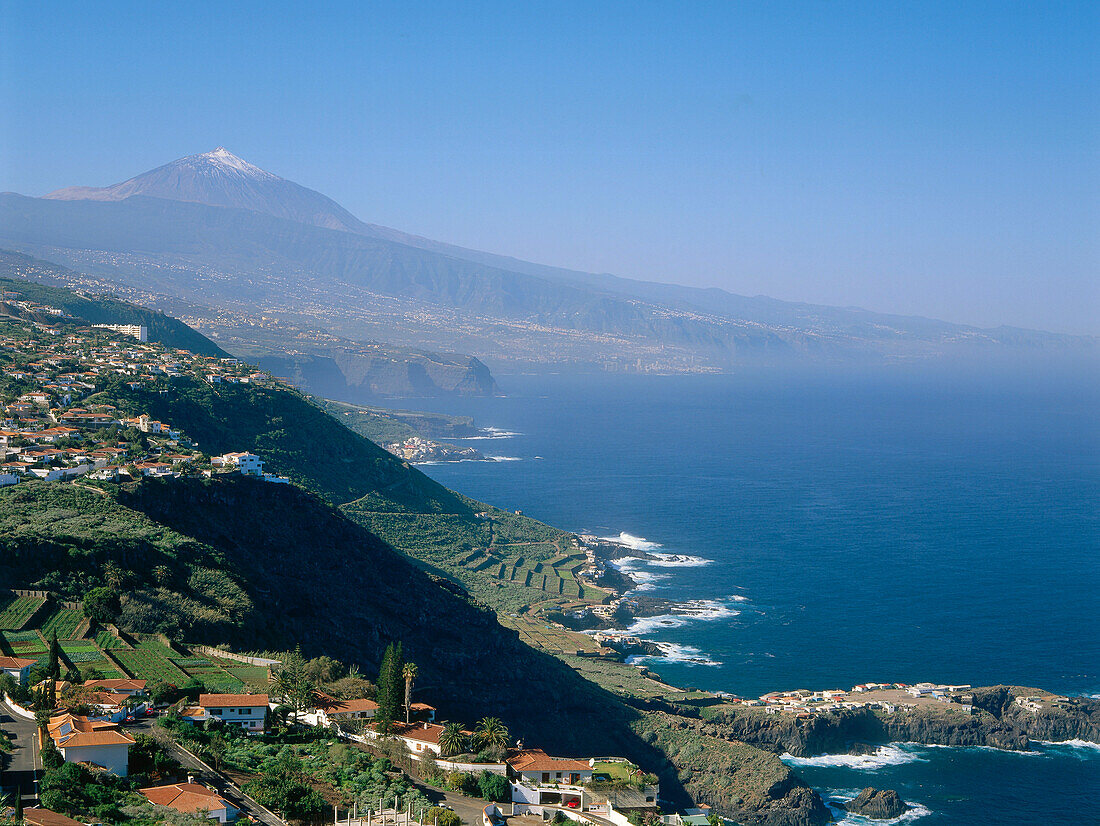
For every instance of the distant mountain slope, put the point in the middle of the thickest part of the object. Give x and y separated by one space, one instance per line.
216 228
220 178
15 269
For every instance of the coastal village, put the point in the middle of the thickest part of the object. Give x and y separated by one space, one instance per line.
99 723
94 697
48 430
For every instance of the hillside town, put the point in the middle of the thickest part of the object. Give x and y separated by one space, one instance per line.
100 724
55 428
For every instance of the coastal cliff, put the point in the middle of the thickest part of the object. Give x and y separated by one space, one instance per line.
744 783
997 720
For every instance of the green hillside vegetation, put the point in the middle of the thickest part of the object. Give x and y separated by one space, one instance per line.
383 425
256 566
387 496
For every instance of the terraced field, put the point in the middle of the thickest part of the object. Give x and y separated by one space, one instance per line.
26 644
148 665
213 675
17 611
82 652
556 576
63 622
108 641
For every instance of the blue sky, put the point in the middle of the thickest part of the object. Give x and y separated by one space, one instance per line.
930 158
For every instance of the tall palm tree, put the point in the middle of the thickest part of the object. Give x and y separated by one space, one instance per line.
491 733
409 672
452 739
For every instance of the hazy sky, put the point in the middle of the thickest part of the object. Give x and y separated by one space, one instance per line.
939 159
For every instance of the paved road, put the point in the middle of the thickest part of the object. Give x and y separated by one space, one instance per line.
216 780
22 767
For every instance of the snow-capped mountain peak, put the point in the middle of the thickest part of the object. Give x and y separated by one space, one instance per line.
223 159
220 178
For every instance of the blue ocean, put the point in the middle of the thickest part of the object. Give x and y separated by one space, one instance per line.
832 528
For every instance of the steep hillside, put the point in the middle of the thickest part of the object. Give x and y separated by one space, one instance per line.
262 566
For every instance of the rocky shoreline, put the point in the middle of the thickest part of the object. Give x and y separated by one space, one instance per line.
997 721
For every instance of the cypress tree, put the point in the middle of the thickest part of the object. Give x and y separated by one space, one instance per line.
390 688
55 658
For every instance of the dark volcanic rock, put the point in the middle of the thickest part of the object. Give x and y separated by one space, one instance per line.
878 804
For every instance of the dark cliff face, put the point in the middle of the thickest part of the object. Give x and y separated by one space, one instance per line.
360 378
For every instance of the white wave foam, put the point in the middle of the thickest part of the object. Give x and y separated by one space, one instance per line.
637 543
1078 745
505 458
671 652
883 756
666 560
843 816
491 433
704 610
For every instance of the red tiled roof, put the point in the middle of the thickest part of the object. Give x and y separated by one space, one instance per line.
419 732
186 797
536 760
15 662
44 817
116 685
233 700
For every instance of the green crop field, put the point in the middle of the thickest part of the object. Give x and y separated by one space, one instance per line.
17 612
108 641
63 622
147 665
82 652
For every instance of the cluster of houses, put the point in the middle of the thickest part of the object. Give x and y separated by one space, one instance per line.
886 697
539 781
46 433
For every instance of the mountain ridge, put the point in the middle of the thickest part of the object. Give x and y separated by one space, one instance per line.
227 231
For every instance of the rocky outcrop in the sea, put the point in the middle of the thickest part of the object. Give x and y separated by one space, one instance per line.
877 804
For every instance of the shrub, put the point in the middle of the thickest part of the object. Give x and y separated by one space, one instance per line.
102 605
494 787
442 817
462 782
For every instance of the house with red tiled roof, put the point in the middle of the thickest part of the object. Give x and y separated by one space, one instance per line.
81 740
128 687
192 798
44 817
330 710
536 766
249 711
17 667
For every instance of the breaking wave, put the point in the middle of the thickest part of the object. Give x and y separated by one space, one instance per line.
637 543
673 653
883 756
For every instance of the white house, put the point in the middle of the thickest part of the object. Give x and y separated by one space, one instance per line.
247 463
543 780
192 798
330 710
18 667
249 711
81 740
